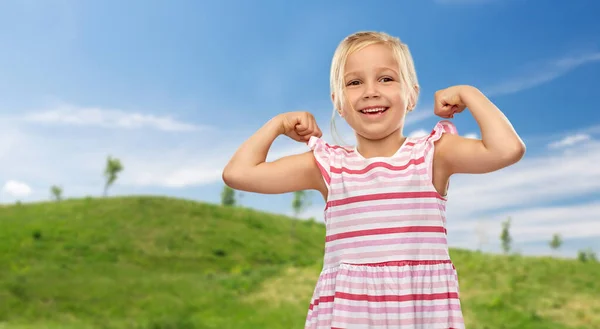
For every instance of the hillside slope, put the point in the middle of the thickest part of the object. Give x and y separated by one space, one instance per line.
162 263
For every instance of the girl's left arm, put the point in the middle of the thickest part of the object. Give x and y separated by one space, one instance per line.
500 145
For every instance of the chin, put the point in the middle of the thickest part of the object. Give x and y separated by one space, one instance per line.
375 134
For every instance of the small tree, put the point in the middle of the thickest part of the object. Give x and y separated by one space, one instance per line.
505 236
228 196
591 255
56 192
113 167
556 241
582 256
299 203
587 255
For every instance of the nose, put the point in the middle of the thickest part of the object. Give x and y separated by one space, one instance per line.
371 90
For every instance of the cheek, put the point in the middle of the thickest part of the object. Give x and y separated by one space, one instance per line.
351 95
350 101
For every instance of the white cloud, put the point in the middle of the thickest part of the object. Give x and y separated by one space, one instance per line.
541 73
75 158
541 194
418 133
548 178
471 135
107 118
420 113
570 141
155 172
16 189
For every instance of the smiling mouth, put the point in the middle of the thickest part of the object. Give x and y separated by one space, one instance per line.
374 110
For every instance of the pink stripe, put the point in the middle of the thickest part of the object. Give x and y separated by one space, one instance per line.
378 221
383 242
375 185
391 273
373 165
380 231
384 196
354 298
385 207
324 309
324 173
382 254
388 286
336 179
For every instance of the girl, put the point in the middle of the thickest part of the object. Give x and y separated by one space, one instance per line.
386 262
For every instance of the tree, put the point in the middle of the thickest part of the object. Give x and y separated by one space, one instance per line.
299 204
582 256
591 255
113 167
556 241
587 255
505 235
228 196
56 192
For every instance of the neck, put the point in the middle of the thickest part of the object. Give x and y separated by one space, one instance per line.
384 147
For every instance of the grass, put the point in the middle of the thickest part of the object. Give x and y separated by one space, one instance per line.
162 263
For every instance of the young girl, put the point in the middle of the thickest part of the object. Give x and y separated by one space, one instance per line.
386 262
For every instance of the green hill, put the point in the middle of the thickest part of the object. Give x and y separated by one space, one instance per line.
162 263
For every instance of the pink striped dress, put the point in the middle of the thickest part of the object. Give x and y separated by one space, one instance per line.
386 262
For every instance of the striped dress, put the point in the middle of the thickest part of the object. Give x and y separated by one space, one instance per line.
386 262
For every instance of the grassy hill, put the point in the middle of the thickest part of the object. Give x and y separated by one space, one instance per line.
161 263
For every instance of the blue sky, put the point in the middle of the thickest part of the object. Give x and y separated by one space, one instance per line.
172 88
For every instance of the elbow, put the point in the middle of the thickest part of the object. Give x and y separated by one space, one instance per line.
519 150
229 178
515 152
235 178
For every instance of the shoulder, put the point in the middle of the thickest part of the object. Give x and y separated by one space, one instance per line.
320 146
436 136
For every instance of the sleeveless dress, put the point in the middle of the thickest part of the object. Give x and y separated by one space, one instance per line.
386 261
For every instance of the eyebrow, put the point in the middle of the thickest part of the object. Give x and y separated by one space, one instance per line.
381 68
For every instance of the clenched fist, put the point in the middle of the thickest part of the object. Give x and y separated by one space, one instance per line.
299 126
448 101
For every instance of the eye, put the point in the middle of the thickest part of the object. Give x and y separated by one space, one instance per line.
386 79
353 83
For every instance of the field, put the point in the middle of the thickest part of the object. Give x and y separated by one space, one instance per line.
163 263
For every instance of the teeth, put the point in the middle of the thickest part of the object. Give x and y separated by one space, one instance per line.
378 109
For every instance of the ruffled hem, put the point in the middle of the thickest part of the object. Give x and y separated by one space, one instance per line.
442 127
386 296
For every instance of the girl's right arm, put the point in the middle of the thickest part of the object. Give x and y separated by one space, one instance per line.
248 170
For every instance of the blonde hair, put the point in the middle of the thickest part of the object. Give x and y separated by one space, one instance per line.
358 41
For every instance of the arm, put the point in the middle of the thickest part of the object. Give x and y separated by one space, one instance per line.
499 147
248 170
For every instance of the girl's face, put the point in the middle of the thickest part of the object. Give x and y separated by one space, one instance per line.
375 101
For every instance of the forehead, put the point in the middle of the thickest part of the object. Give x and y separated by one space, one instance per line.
371 57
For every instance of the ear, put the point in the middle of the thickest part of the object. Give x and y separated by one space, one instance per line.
412 97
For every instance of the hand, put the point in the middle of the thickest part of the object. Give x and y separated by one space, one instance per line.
299 126
447 102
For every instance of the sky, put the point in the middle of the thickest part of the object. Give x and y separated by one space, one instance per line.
173 88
